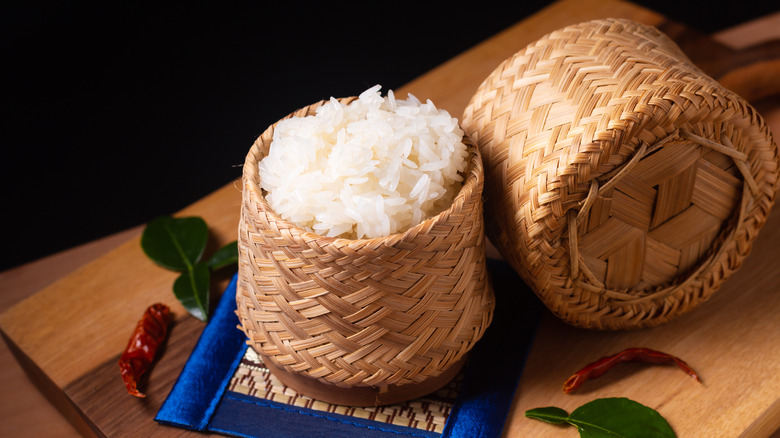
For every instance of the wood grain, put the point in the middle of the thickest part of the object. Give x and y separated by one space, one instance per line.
729 340
25 411
452 84
110 292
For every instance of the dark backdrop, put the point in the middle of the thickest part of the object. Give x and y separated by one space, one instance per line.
116 112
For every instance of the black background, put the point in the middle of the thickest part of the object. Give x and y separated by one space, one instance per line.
114 113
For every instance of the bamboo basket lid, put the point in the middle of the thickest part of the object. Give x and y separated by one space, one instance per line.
364 321
622 183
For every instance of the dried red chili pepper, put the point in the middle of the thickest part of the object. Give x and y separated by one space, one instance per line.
599 367
149 333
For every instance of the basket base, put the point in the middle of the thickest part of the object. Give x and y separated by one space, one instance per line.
363 395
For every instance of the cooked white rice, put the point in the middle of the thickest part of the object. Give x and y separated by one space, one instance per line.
371 168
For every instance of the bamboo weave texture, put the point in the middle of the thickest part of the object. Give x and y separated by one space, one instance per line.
622 183
370 312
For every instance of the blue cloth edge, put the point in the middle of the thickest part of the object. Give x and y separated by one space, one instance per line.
500 410
339 425
210 365
483 404
221 391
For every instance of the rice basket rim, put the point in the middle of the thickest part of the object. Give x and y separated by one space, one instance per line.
471 186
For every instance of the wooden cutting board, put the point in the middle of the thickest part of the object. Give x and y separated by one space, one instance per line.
69 335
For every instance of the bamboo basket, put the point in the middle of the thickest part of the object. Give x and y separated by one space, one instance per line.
622 183
367 321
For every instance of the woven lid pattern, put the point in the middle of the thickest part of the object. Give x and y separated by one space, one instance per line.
622 183
368 312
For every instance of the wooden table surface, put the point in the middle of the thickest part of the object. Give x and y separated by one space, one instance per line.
77 374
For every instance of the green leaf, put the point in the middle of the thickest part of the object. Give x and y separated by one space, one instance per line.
619 417
550 414
225 256
609 418
192 290
175 243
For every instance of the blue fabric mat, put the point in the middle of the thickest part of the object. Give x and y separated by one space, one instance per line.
200 400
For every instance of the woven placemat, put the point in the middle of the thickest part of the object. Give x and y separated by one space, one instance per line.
428 413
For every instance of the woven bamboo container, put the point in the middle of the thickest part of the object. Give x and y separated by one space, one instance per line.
367 321
622 183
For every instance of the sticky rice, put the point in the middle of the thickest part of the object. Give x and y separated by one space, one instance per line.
371 168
